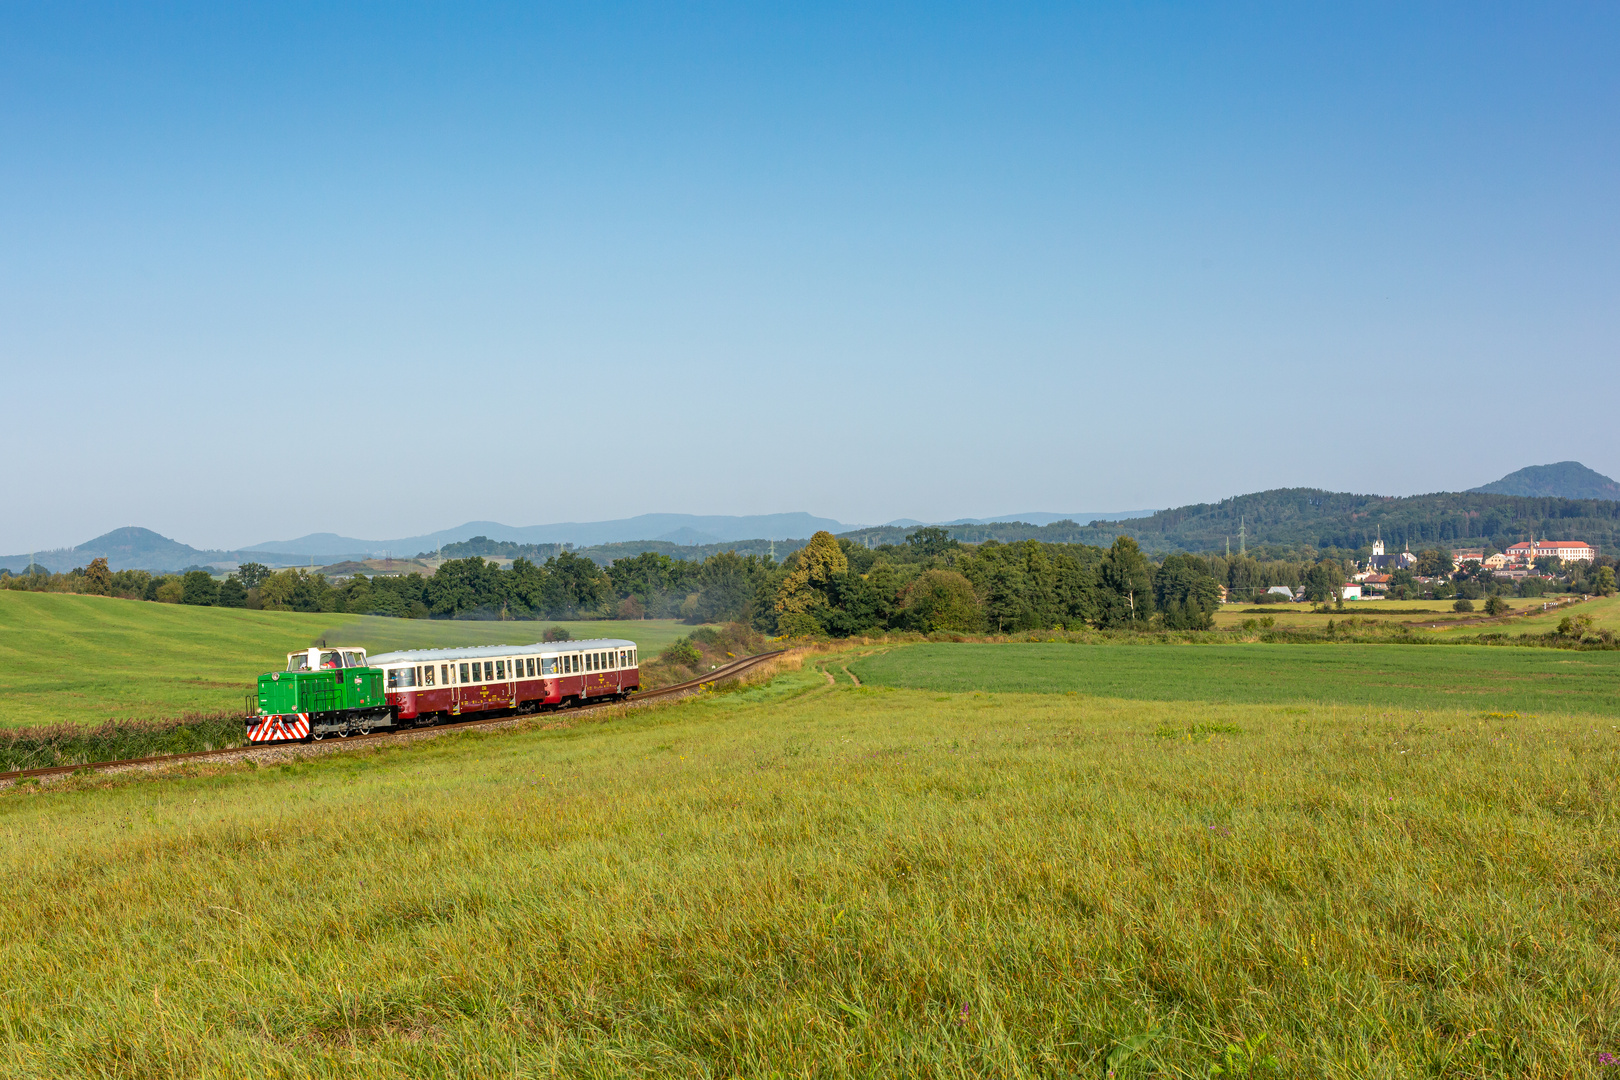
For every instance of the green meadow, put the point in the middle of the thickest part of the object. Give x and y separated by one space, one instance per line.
1478 677
85 659
800 879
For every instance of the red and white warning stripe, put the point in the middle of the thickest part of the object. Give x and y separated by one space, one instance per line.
280 728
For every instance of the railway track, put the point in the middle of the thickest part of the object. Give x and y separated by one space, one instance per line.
719 674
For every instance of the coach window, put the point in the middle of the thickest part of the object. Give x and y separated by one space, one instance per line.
530 664
401 678
463 672
500 669
427 675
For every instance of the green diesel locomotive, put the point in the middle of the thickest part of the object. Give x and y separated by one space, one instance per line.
323 692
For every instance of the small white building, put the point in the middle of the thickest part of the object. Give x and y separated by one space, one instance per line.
1352 590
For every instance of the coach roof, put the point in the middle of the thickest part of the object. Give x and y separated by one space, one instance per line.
480 652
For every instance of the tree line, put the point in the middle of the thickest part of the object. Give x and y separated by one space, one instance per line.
832 586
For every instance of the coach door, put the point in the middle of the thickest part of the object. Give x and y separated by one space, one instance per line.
458 673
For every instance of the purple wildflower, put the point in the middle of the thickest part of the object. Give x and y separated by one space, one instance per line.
1606 1058
962 1017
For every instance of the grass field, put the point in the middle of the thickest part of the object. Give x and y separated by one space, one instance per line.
1405 676
1604 611
1390 611
88 658
808 880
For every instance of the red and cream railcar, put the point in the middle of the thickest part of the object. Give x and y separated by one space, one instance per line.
426 686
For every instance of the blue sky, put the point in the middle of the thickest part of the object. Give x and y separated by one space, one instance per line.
267 270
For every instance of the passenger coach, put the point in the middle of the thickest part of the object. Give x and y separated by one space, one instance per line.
424 686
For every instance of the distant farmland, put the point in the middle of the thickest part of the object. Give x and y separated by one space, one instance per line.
1404 676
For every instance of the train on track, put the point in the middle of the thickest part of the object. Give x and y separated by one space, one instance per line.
342 692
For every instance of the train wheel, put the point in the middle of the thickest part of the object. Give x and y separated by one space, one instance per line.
316 733
365 726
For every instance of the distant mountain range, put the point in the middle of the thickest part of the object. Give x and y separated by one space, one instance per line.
143 549
1566 499
684 529
1563 480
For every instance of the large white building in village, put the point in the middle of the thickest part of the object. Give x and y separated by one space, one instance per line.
1523 555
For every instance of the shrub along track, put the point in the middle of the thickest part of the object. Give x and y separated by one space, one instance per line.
727 671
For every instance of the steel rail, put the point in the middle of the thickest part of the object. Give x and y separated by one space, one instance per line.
726 671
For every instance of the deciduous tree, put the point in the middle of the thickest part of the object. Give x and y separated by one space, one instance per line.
97 578
1124 586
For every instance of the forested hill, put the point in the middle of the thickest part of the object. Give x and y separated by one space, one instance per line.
1309 517
1563 480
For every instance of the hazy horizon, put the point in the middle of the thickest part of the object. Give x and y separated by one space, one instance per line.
373 270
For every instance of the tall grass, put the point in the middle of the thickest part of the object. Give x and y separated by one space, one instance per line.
45 746
804 879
